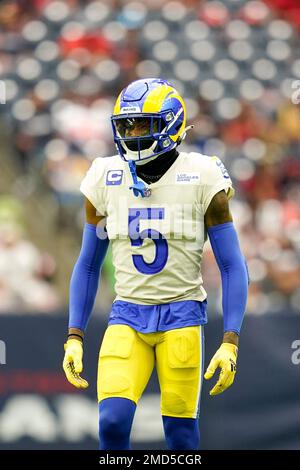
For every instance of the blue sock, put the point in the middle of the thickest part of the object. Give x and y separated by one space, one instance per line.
181 433
115 421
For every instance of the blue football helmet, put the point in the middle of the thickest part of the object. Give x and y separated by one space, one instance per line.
148 120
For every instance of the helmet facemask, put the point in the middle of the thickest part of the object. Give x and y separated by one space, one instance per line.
141 138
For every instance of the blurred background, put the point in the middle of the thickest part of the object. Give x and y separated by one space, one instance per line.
62 65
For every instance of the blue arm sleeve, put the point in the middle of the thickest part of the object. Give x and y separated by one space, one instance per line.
85 277
234 274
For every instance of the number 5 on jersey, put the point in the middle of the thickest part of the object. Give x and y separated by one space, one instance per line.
137 239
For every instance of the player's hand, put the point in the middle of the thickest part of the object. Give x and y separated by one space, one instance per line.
225 358
72 364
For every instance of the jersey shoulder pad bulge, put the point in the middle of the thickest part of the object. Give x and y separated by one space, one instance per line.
94 182
214 177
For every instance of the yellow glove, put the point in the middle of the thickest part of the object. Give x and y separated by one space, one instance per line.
72 364
225 358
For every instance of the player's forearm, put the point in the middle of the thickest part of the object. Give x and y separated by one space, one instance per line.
85 279
234 276
83 290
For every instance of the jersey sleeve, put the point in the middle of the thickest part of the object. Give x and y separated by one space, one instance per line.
92 185
215 178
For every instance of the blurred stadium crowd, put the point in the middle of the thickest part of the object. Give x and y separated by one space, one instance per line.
64 62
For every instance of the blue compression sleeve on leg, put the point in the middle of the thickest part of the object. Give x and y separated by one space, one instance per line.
234 273
181 433
115 421
85 277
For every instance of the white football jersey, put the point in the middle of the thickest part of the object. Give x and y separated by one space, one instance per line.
157 241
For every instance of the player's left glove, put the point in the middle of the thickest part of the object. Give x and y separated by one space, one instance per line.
225 358
72 364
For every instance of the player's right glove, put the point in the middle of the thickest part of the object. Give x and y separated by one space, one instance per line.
72 363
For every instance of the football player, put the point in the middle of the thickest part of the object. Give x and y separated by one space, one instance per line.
156 206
